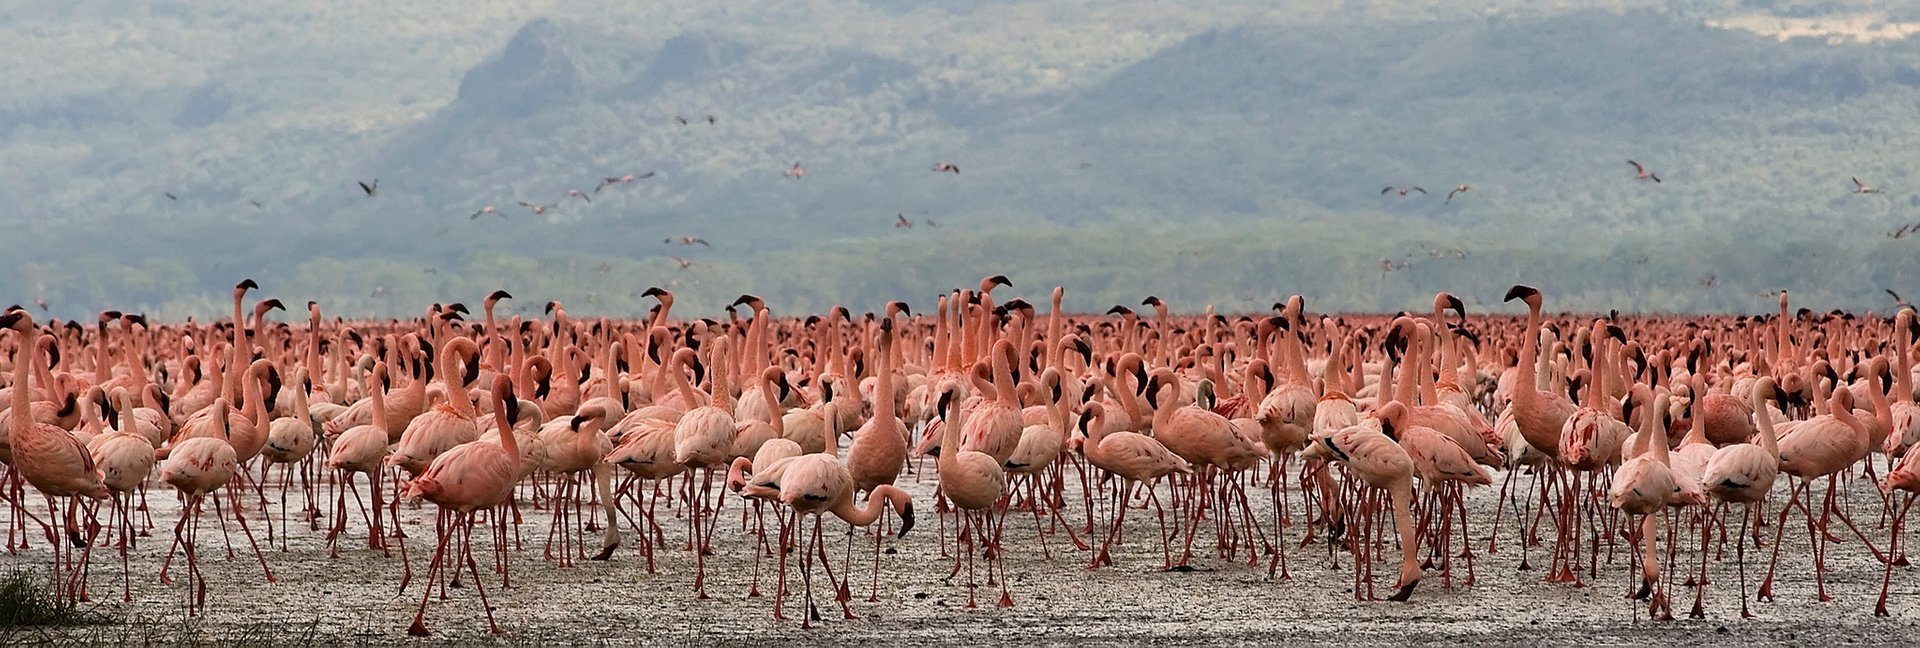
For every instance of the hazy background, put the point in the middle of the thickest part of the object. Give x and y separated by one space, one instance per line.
1206 151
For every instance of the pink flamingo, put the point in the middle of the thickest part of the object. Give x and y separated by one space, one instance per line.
50 459
469 477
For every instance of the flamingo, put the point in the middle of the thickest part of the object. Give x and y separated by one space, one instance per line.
470 477
1821 446
1645 485
1744 473
362 449
974 482
879 449
54 462
198 467
125 459
1137 459
1641 172
1370 451
703 439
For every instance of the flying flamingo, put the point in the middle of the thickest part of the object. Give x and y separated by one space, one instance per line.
1641 172
624 179
1460 189
484 211
469 477
1862 188
370 189
900 220
796 171
946 167
51 460
537 209
1401 190
576 193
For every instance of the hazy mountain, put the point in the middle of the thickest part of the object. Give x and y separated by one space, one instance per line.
1208 153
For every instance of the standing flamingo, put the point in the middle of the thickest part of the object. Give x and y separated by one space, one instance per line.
1744 473
469 477
974 482
54 462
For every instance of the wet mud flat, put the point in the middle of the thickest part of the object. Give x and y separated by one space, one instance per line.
355 599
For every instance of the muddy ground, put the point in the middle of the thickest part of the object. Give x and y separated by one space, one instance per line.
354 599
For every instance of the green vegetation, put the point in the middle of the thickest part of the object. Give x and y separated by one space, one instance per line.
1202 150
27 600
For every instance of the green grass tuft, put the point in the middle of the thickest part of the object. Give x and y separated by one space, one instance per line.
27 600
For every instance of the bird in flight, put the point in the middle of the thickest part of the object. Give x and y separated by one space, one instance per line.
41 302
688 241
684 264
711 120
576 193
946 167
1403 190
255 203
1641 172
628 179
371 188
796 171
484 211
169 195
1897 301
1388 265
1709 281
930 222
900 220
1862 188
1457 191
682 120
537 209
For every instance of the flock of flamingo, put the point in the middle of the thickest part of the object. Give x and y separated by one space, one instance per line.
1656 434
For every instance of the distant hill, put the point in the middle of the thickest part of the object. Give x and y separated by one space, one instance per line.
1232 166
